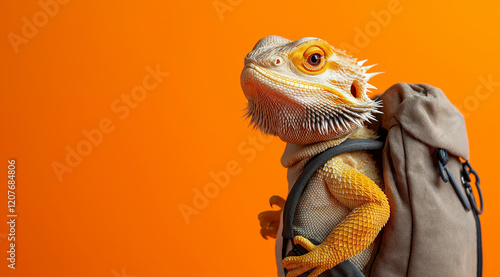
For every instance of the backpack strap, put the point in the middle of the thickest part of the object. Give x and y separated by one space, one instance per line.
310 168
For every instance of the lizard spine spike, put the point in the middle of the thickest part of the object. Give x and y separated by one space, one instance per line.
360 63
369 66
371 75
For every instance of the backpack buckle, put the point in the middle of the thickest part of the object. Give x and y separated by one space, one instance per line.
442 156
467 171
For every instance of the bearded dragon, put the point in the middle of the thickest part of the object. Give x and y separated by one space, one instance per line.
314 96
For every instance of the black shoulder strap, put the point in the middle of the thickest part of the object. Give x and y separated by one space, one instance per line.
314 164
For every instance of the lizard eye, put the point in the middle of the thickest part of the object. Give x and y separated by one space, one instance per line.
314 59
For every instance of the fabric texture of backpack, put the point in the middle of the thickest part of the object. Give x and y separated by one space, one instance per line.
434 227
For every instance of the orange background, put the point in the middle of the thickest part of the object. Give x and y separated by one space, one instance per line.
117 213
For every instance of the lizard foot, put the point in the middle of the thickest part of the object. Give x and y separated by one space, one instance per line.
270 220
319 257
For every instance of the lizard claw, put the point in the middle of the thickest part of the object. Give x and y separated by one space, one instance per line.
318 257
267 217
304 243
277 200
270 220
269 223
267 233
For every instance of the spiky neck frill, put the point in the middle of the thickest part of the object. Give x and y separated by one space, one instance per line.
306 124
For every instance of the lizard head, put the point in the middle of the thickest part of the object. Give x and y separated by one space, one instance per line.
305 91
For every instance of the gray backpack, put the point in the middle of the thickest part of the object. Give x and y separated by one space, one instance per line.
434 227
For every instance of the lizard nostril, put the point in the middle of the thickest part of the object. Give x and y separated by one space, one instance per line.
354 91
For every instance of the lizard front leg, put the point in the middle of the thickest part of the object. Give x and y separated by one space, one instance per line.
270 220
370 212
